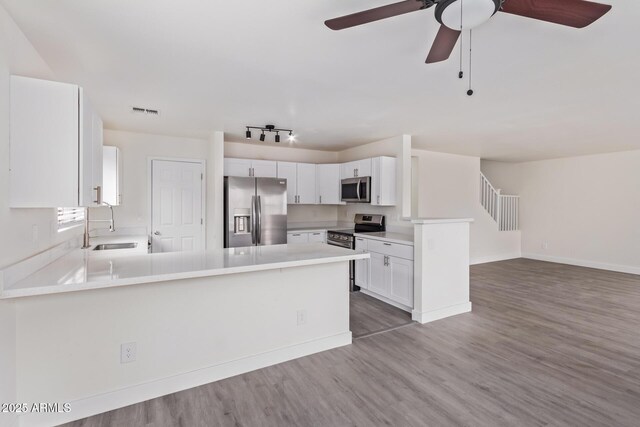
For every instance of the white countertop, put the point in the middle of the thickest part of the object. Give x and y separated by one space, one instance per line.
403 239
79 271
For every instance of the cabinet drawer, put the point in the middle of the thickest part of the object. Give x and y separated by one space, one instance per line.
392 249
317 236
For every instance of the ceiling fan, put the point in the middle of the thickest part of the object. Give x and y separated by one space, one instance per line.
457 15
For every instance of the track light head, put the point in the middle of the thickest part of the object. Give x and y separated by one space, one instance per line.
291 137
262 136
277 137
248 134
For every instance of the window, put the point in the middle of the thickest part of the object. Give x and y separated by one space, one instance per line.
68 217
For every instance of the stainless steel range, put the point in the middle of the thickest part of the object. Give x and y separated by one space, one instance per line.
364 223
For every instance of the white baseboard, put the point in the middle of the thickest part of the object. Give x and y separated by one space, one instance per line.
584 263
441 313
386 300
494 258
139 393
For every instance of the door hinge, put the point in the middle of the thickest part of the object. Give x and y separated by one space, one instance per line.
201 176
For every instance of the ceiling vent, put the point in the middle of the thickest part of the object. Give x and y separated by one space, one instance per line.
148 111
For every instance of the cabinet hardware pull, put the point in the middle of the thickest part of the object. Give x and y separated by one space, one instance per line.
98 189
387 244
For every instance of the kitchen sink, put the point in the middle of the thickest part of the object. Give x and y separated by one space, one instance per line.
111 246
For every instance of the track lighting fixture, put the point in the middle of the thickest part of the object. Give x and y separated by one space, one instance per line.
269 128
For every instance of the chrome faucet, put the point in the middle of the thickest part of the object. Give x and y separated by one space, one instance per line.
112 226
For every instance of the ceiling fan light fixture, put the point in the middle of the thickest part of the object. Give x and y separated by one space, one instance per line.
466 14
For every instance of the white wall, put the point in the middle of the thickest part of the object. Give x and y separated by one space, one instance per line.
29 231
136 149
449 187
23 232
585 209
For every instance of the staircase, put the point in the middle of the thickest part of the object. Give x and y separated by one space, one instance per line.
503 208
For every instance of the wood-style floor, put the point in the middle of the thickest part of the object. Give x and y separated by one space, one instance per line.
546 344
369 316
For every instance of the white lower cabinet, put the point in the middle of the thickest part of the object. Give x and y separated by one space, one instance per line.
385 274
307 237
318 237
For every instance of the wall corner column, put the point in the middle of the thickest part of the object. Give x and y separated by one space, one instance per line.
441 268
215 190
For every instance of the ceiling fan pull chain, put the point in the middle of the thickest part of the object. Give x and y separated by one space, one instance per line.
470 91
461 73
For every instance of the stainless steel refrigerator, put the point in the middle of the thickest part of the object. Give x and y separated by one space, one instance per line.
255 211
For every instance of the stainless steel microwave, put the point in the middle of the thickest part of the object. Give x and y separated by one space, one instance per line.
356 190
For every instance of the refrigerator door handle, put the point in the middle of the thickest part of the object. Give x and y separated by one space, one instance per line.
259 221
253 220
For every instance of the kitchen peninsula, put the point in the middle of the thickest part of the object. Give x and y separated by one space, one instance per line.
229 311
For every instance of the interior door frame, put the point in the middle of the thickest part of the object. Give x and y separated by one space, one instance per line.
203 164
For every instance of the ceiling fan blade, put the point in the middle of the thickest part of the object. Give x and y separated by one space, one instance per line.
443 45
573 13
376 14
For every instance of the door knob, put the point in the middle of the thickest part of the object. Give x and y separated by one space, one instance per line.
157 233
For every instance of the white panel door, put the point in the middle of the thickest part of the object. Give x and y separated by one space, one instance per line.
328 184
264 168
363 167
378 281
401 286
348 170
176 217
237 167
306 183
288 171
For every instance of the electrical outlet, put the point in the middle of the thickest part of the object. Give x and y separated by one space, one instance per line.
545 245
128 352
302 317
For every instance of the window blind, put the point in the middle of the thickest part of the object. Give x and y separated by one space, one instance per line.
70 216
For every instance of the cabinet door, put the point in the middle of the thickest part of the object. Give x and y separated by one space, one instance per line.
318 237
288 171
306 183
401 278
237 167
328 184
383 181
297 237
264 168
348 170
378 281
90 167
111 171
363 167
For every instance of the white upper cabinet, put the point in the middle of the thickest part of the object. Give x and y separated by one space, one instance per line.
250 168
289 171
383 181
56 146
264 168
328 184
306 183
355 169
301 182
111 175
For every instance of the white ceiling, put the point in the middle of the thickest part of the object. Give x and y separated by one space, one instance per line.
541 90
